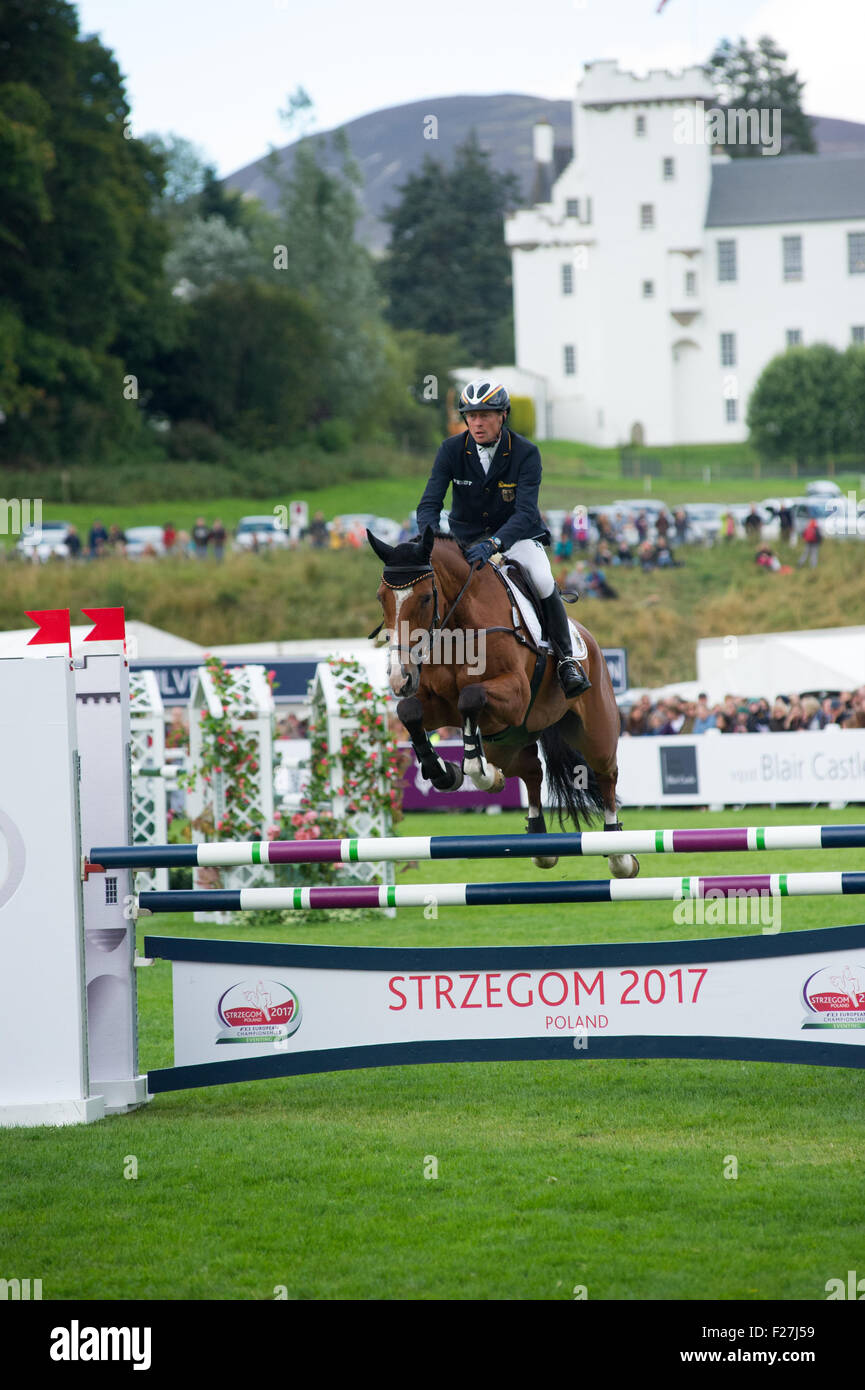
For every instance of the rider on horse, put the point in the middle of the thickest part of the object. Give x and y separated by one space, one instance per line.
496 475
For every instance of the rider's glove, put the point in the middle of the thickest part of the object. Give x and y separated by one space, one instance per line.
480 552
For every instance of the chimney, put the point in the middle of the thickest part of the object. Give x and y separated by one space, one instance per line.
542 147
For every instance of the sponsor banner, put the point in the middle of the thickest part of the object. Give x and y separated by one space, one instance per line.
795 997
743 769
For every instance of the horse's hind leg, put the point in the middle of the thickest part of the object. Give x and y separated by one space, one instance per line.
601 758
528 767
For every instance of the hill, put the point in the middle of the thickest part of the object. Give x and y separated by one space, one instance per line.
389 145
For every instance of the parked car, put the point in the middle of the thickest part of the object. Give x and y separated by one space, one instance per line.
46 543
144 540
260 533
823 487
704 521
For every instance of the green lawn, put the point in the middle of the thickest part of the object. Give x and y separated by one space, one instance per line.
551 1174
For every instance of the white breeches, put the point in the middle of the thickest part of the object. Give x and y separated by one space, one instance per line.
535 561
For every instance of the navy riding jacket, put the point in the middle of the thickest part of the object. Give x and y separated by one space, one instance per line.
503 502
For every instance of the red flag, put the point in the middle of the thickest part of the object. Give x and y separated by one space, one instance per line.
110 625
53 625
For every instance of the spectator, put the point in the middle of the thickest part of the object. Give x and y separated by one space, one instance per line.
642 526
753 525
219 536
581 529
406 531
727 715
637 722
169 537
812 718
578 579
758 718
97 540
623 555
795 714
647 555
689 721
728 526
664 557
662 526
785 520
564 547
73 543
200 537
778 723
811 540
598 586
604 554
116 540
316 532
681 526
767 558
704 718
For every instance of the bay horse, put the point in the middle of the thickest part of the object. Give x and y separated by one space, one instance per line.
456 657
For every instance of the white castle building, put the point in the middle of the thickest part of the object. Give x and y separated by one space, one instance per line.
656 277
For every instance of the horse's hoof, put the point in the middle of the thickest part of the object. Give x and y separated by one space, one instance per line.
624 865
546 861
499 780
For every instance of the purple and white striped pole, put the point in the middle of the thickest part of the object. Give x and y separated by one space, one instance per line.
503 894
706 840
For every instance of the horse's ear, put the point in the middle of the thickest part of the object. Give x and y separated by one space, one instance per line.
381 548
427 541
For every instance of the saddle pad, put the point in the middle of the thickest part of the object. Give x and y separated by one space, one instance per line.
533 627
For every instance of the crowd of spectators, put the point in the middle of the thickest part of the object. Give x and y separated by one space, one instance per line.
737 715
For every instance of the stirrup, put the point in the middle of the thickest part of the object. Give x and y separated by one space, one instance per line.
572 677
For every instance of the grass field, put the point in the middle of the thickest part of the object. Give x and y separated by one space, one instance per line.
552 1175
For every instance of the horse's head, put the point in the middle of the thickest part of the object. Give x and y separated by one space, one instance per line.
409 601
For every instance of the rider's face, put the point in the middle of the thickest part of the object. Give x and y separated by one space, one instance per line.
484 426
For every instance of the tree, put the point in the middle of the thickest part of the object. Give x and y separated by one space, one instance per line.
318 257
249 366
206 251
747 79
448 269
80 251
799 407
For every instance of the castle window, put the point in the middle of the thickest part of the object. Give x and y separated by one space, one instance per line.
727 260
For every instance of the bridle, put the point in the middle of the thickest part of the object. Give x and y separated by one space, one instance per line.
436 624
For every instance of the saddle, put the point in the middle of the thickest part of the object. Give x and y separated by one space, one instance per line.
526 613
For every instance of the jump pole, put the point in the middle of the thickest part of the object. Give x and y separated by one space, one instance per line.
707 840
503 894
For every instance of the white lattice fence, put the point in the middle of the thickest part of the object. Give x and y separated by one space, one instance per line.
249 703
149 817
332 697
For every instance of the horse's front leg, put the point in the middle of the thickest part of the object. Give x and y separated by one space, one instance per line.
496 701
444 776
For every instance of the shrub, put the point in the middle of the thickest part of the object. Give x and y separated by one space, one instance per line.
522 416
191 439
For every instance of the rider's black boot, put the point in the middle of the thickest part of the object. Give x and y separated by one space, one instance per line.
572 677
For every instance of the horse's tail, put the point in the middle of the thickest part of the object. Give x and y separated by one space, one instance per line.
575 789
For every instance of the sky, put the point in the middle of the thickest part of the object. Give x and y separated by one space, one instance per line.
219 71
